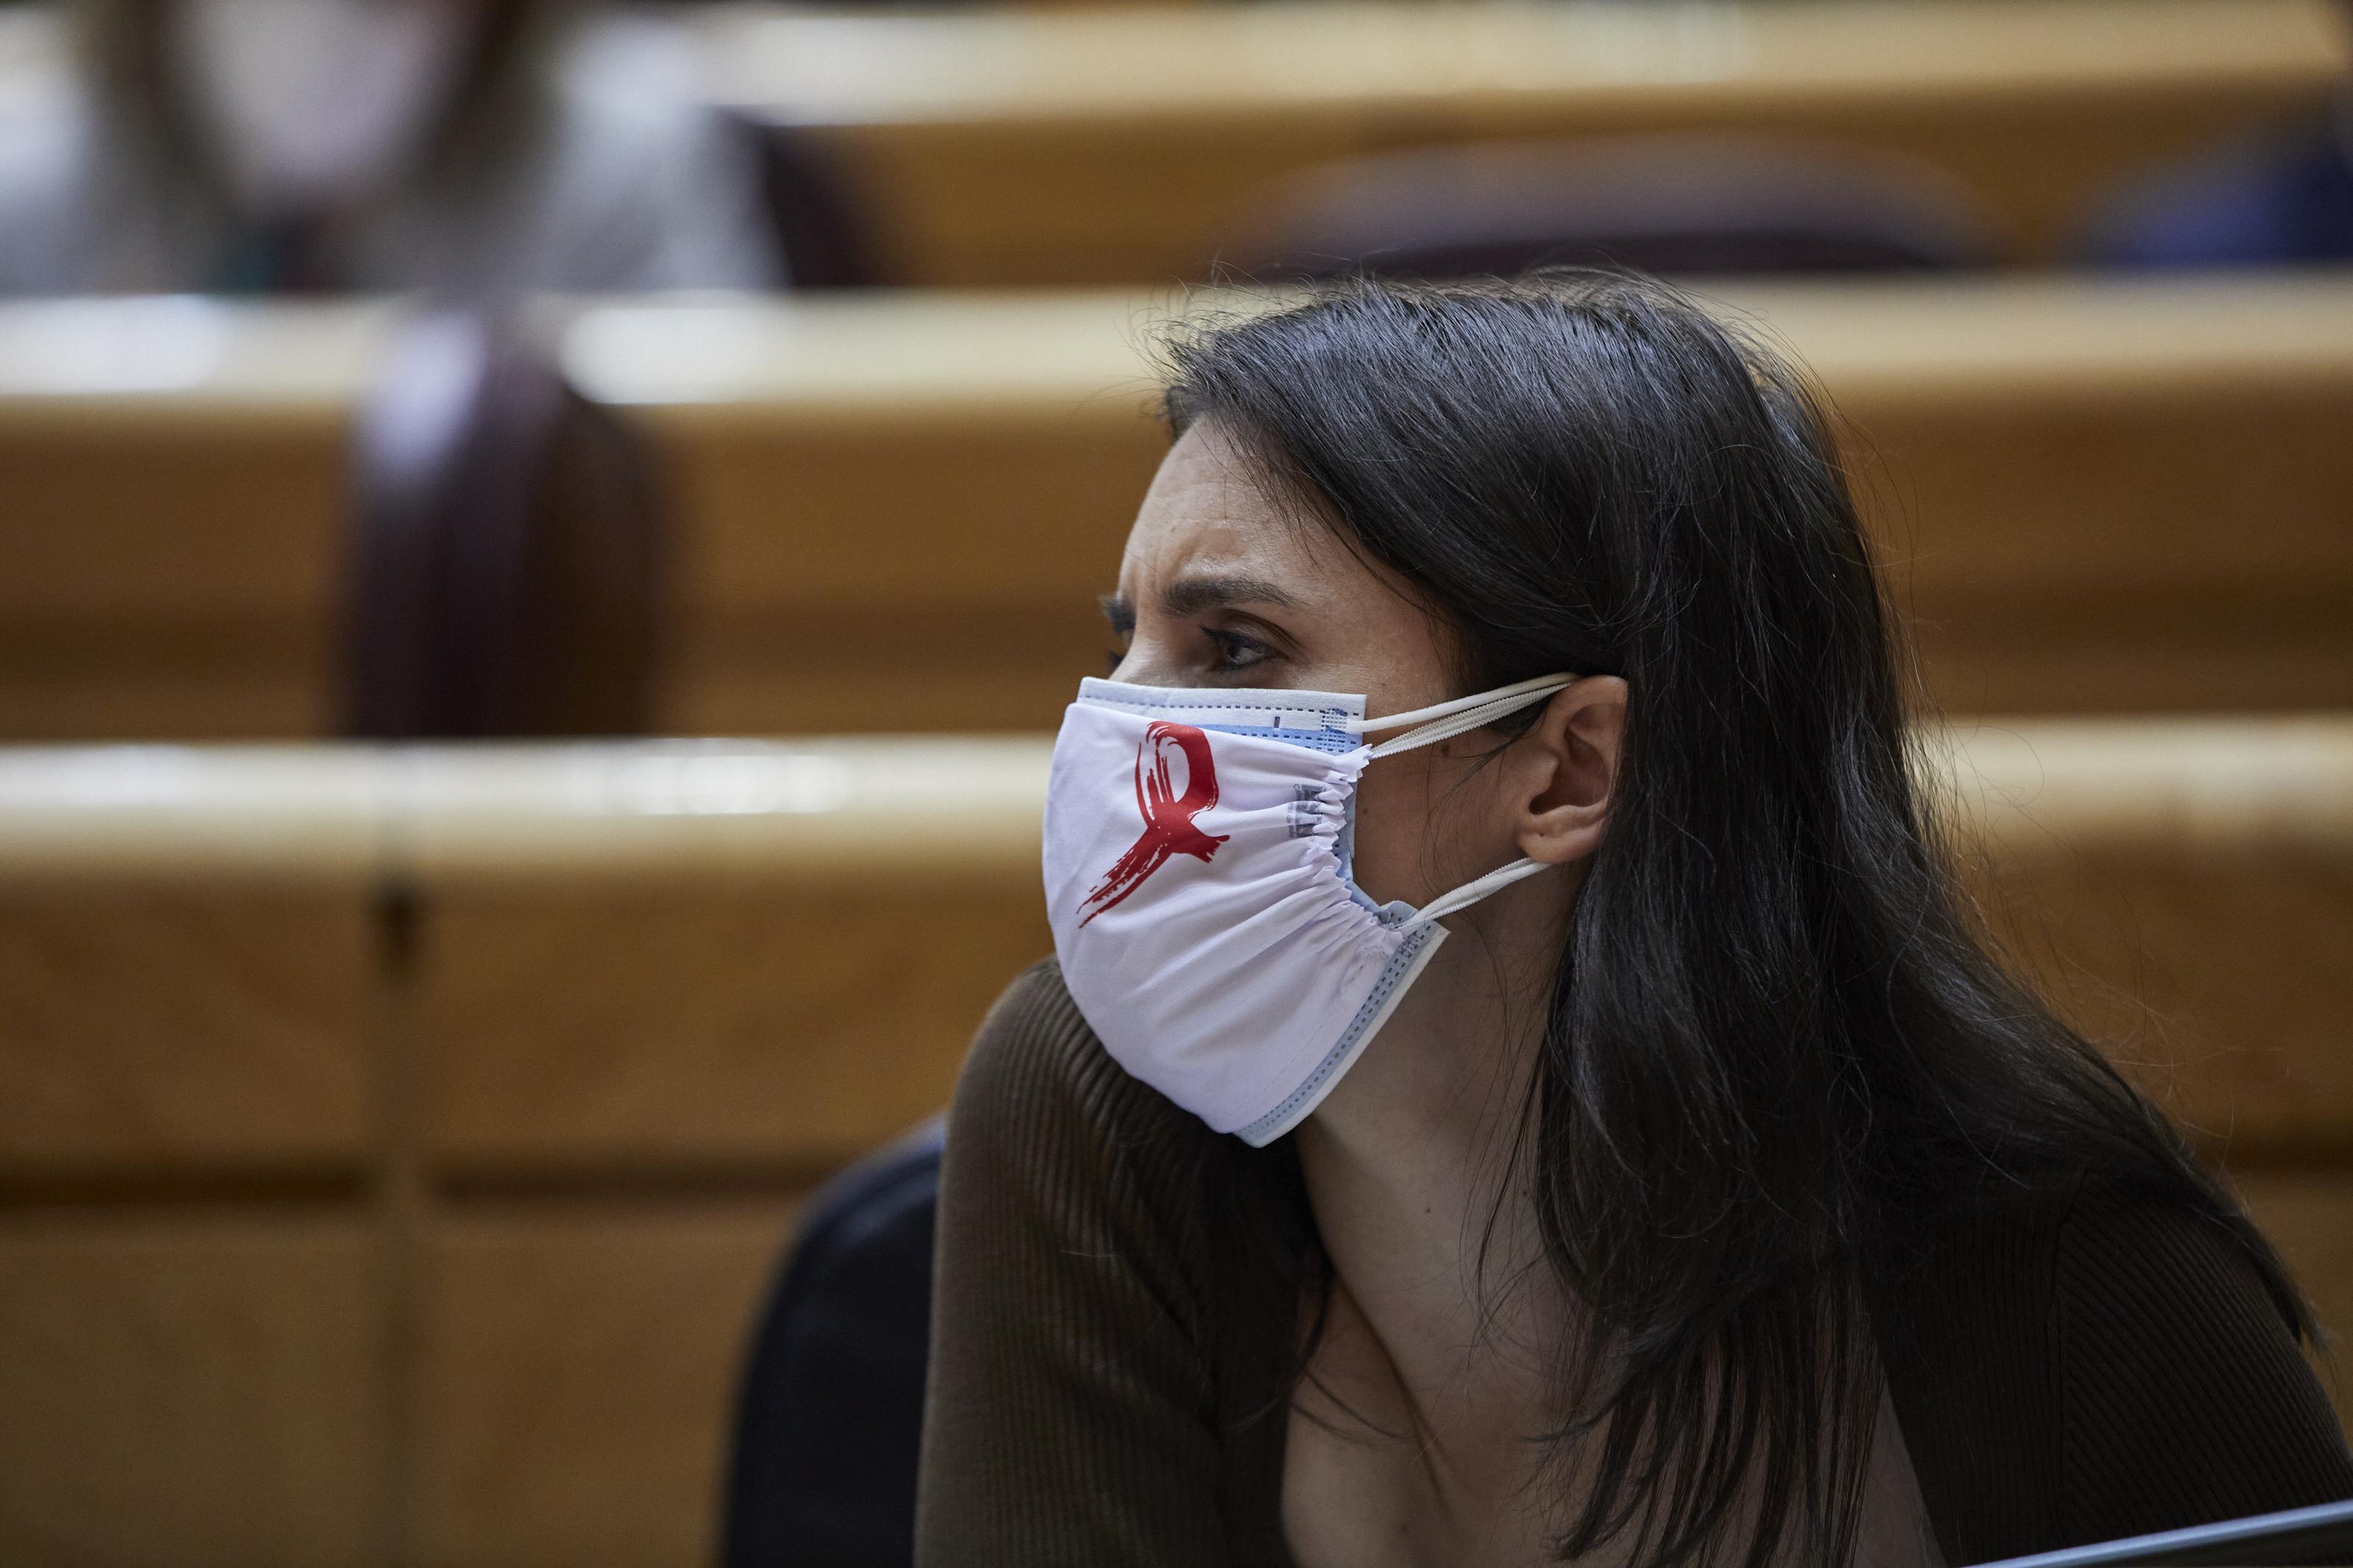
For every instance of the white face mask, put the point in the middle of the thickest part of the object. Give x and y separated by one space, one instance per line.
1198 878
306 101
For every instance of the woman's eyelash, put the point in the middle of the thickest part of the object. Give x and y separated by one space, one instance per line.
1235 650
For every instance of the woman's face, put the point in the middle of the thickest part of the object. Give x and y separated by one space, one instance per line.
1219 585
306 104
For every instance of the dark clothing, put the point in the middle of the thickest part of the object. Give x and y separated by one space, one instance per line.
2063 1371
824 1467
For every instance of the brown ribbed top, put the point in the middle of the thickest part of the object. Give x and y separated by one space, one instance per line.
2066 1373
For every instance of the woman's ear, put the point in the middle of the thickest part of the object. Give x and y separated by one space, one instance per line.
1572 753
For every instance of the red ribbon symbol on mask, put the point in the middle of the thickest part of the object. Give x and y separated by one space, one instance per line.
1168 816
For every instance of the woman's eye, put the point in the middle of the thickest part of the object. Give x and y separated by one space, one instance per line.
1234 651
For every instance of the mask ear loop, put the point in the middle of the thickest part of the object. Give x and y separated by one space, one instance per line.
1471 892
1442 721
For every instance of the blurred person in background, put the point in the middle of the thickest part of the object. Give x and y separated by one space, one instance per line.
472 148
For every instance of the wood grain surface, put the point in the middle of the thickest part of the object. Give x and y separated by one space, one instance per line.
577 1378
187 1030
733 1028
198 1386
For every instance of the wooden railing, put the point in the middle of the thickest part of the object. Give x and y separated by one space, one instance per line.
895 513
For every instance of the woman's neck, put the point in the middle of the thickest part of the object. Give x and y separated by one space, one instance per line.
1415 1168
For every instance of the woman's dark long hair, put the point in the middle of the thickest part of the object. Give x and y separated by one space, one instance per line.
1778 1046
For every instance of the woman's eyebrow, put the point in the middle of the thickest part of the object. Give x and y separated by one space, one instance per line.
1191 596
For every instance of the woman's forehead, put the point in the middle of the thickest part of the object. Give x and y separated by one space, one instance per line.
1212 509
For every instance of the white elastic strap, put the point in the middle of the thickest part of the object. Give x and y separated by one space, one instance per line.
1469 893
1444 720
1541 685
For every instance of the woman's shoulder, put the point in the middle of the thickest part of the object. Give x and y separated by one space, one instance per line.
2082 1246
1073 1391
1036 1046
2077 1361
1033 1028
1041 1094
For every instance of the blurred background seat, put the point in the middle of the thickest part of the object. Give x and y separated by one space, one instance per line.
1672 206
815 210
506 549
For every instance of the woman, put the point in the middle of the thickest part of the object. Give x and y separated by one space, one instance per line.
1708 1194
455 146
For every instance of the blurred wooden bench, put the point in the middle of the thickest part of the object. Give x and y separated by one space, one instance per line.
1132 145
393 1142
170 552
193 1300
893 513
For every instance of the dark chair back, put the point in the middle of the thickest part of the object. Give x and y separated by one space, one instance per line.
506 549
1682 204
819 214
830 1416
